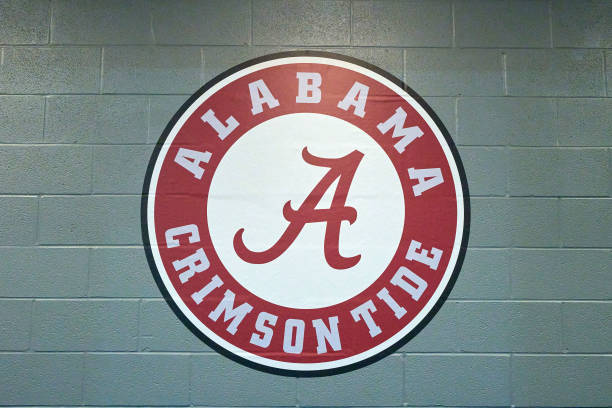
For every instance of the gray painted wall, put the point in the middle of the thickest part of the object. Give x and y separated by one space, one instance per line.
523 86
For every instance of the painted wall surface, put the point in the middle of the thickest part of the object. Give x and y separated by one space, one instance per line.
86 88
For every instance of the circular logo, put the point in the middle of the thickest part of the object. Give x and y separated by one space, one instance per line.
305 213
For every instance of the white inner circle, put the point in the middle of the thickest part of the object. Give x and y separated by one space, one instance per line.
263 170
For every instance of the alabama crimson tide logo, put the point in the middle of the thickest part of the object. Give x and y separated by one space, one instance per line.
305 213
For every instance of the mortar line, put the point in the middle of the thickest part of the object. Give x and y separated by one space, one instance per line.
1 55
91 172
44 136
87 282
456 106
556 120
297 399
151 23
453 25
31 337
550 24
605 76
190 382
562 321
505 72
251 39
84 365
404 391
138 330
511 364
202 65
404 73
101 71
351 22
50 13
148 119
37 237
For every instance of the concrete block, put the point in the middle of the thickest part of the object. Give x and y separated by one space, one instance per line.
491 225
136 379
558 172
15 316
24 22
41 379
501 222
559 270
45 169
85 325
389 59
90 220
584 122
561 381
486 169
43 272
582 24
21 119
161 109
483 23
162 330
495 327
93 22
586 223
440 334
485 275
454 72
587 327
219 381
444 107
50 70
152 69
379 384
555 73
120 169
18 220
210 22
130 265
502 121
535 222
307 22
584 172
96 119
402 23
457 380
534 172
220 59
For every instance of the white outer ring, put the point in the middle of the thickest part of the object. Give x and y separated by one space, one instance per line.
282 364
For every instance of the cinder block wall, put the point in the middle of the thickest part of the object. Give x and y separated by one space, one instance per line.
86 88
